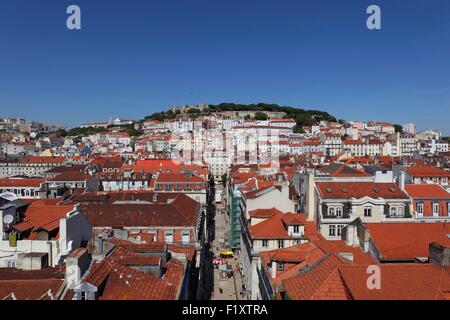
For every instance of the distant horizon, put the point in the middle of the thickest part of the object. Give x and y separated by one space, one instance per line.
132 59
419 128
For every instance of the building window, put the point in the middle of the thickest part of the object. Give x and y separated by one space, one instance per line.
367 212
339 211
401 211
265 243
280 266
435 209
393 211
339 229
186 236
332 230
331 211
10 263
296 229
420 209
280 244
169 236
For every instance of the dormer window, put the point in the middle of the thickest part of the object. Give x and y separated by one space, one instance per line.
296 228
331 211
280 244
420 209
280 266
339 211
435 209
393 211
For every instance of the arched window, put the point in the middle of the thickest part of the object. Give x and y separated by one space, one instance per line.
393 211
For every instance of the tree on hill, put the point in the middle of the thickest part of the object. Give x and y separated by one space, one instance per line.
398 128
261 116
132 132
298 129
61 133
302 116
84 131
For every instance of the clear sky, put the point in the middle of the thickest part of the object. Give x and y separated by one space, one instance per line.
135 57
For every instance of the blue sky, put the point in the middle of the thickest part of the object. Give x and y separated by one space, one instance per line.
135 57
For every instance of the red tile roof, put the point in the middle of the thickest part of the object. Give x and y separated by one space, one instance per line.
30 285
71 176
293 218
425 171
272 228
39 216
399 282
182 211
342 170
406 241
302 255
333 280
276 228
164 165
21 183
263 213
429 191
347 190
40 159
178 177
323 282
120 282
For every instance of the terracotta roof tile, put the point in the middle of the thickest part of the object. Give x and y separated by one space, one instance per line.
406 241
347 190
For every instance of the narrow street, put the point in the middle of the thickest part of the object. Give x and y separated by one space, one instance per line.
224 289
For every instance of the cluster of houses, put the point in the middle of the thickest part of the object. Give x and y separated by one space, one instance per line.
308 212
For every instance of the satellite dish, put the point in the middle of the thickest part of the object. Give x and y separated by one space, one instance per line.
8 219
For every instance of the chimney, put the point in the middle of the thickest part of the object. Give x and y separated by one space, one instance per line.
401 182
100 244
77 264
273 269
439 254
